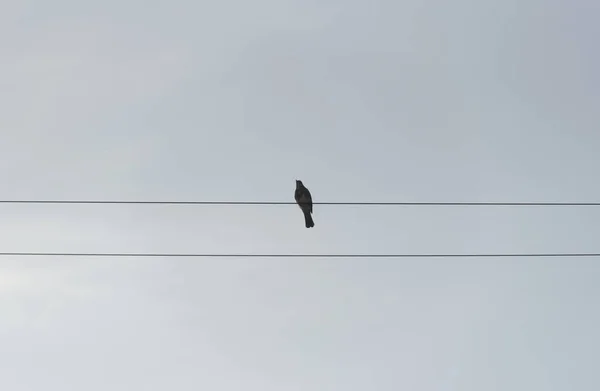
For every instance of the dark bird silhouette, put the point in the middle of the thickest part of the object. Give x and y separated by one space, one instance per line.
304 200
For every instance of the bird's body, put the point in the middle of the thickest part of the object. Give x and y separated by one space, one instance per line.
304 201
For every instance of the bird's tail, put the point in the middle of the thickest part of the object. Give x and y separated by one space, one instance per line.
308 220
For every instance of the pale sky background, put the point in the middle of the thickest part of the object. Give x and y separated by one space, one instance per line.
465 100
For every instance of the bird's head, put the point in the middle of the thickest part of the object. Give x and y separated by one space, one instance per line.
298 183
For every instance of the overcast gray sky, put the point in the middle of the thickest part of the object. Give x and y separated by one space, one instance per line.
465 100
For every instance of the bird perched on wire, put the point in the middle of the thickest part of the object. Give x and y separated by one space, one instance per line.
304 200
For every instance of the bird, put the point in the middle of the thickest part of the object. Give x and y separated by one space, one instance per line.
304 201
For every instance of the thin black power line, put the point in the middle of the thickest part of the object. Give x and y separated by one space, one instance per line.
243 255
293 203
